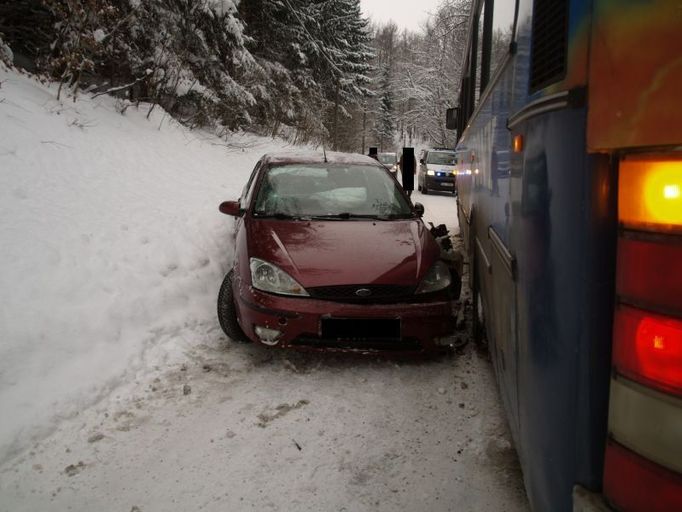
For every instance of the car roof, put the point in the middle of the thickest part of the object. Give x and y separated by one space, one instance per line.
317 157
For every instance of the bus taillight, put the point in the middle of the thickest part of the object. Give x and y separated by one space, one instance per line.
643 460
650 192
650 270
648 349
633 483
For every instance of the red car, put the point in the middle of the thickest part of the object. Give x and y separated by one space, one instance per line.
330 254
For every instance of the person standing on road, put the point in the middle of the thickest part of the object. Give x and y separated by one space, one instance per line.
408 168
374 153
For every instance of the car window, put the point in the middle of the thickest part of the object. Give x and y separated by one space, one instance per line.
441 158
388 158
330 190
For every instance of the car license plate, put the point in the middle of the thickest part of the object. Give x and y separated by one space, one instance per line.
360 328
446 184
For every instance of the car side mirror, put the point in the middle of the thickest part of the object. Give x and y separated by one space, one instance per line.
419 209
231 208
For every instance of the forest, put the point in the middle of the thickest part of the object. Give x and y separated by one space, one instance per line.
310 71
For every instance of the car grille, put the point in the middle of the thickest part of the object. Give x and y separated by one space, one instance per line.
362 293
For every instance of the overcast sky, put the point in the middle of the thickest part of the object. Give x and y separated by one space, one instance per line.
408 14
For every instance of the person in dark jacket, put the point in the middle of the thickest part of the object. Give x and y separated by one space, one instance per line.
408 168
374 153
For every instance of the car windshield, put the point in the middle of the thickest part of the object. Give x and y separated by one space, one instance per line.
388 158
338 191
441 158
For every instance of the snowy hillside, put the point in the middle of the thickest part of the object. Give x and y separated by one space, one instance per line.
110 238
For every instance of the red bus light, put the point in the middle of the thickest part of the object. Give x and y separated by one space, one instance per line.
633 484
648 348
650 272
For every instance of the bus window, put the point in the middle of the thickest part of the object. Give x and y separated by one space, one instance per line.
481 72
495 34
549 47
503 25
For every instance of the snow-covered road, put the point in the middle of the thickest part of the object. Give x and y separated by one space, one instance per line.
241 428
120 392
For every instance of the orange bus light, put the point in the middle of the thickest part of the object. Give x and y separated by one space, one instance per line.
650 192
518 143
671 191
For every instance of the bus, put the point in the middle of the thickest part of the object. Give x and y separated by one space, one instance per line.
569 155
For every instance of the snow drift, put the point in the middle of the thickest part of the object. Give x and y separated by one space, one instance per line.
109 236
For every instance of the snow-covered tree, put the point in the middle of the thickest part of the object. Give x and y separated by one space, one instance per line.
314 62
385 118
285 89
426 84
344 57
313 69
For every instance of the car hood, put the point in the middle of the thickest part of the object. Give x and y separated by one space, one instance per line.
330 253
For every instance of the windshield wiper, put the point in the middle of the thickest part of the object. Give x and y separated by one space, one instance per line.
349 215
278 216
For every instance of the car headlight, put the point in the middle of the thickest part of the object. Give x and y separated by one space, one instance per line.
436 279
270 278
431 173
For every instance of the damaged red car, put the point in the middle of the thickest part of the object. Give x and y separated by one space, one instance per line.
330 254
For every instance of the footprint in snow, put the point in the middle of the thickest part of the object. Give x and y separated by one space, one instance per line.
282 410
168 270
74 469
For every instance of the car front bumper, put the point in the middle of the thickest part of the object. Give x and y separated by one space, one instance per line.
302 320
441 183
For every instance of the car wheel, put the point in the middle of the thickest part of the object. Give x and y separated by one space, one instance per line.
425 189
227 311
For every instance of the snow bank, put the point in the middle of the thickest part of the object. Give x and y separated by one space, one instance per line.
110 240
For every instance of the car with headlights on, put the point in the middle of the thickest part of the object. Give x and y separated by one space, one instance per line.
330 254
390 160
437 171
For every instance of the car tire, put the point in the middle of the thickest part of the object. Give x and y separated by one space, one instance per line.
227 311
425 189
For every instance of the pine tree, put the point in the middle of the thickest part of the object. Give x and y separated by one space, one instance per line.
344 59
285 89
385 127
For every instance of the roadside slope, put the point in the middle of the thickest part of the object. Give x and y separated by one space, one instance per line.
109 236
